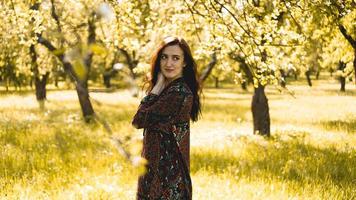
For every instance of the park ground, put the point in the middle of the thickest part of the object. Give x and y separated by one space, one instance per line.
53 154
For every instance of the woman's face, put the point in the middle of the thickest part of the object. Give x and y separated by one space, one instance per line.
172 62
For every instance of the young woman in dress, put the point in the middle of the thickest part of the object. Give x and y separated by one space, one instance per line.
165 114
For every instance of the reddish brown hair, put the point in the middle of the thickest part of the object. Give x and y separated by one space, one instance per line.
189 71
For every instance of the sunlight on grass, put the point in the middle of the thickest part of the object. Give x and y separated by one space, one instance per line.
53 154
291 164
348 125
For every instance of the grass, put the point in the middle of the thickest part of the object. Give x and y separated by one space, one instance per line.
52 154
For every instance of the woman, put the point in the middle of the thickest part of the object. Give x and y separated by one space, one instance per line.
172 100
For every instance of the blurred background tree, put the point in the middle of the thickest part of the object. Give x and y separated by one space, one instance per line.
108 44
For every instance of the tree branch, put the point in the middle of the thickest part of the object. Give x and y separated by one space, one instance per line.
209 68
129 61
46 43
195 24
347 36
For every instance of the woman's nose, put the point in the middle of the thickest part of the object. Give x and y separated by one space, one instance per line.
169 62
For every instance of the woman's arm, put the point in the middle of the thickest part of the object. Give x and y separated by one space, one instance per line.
154 110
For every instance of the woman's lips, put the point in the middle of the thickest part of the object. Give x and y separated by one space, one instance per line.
169 70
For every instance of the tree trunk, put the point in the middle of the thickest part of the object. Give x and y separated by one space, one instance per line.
260 112
81 83
352 41
244 85
283 78
343 83
307 74
355 65
342 78
40 85
216 82
209 68
132 63
81 86
56 80
317 74
331 71
107 75
245 68
31 82
107 80
7 83
84 101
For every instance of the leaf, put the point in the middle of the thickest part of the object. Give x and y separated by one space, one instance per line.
98 49
59 51
79 69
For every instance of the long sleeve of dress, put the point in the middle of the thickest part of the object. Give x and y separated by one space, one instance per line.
156 109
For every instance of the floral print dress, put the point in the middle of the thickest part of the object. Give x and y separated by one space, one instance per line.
165 119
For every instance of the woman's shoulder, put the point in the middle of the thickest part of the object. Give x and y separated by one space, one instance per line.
180 86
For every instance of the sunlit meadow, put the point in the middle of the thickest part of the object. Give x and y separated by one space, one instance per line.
52 154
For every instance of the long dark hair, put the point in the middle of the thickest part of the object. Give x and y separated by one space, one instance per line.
189 71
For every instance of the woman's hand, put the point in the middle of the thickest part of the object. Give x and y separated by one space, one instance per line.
160 84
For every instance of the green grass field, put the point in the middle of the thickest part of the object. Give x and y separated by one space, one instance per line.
52 154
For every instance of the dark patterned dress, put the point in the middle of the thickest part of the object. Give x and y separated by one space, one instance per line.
165 119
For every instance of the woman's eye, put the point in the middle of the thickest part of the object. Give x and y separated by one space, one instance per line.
163 57
175 58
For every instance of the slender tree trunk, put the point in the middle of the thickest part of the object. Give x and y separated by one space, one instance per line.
209 68
283 78
107 76
111 72
343 83
246 70
260 112
216 82
352 41
355 64
342 78
84 100
56 81
244 67
244 85
307 74
107 79
31 82
40 85
331 72
81 84
7 84
80 81
81 87
132 63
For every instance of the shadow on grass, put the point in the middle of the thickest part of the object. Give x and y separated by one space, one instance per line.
348 126
287 160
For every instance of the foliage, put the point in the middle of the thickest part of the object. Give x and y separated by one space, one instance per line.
269 35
